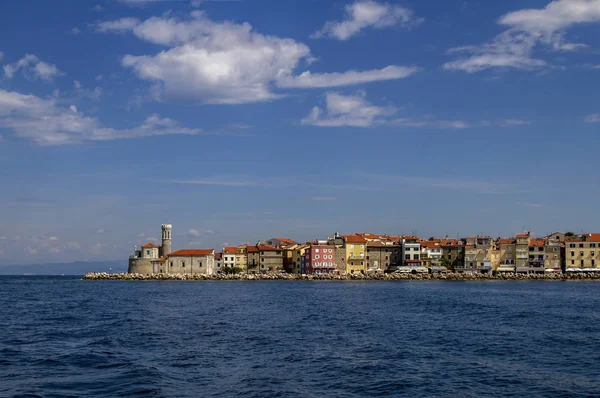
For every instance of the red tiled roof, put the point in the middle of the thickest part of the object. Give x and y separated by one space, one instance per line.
252 249
149 245
595 237
430 244
192 252
507 241
218 256
285 240
537 242
229 249
451 242
266 248
162 259
354 239
523 235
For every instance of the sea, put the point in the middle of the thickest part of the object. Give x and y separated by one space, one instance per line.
62 336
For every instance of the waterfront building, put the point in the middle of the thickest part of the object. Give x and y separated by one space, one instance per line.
480 253
453 253
583 251
382 255
263 258
218 262
431 254
319 259
507 248
191 262
229 256
554 254
297 258
522 250
355 248
411 251
149 258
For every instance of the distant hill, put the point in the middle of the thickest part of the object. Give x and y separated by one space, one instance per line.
74 268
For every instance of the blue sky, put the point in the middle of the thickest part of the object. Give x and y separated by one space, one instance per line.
244 120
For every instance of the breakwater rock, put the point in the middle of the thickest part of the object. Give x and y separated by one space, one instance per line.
353 277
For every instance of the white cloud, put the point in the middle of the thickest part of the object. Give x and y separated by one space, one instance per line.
99 77
593 118
308 80
526 29
32 68
119 25
193 232
225 62
347 110
76 84
44 122
367 13
54 238
75 31
100 231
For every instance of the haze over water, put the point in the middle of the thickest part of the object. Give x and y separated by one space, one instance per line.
63 336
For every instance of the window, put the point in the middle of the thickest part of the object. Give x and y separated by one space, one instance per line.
581 253
386 257
593 253
572 262
572 254
416 256
407 257
581 245
200 263
148 252
316 256
582 263
593 263
171 263
362 263
183 264
555 249
362 246
572 245
592 245
367 256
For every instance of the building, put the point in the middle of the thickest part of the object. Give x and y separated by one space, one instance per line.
144 260
263 258
191 262
522 250
297 259
355 247
554 250
431 254
382 255
319 259
480 254
507 248
411 251
582 251
229 256
218 262
453 253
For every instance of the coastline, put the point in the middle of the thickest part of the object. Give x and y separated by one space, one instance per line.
353 277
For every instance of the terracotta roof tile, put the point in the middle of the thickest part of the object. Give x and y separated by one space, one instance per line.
354 239
192 252
149 245
229 249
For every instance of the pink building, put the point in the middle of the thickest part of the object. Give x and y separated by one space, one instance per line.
319 259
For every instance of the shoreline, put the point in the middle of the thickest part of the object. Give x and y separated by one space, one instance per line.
354 277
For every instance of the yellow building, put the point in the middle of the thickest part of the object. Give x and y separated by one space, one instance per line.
297 253
583 251
480 254
355 247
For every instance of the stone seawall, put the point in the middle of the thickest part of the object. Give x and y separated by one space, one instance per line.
380 277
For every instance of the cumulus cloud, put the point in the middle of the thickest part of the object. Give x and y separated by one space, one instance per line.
54 238
32 68
593 118
44 122
526 29
225 62
367 13
347 110
193 232
321 80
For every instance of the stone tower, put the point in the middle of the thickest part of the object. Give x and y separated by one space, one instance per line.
166 239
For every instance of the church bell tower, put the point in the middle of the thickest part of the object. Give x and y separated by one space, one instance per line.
165 249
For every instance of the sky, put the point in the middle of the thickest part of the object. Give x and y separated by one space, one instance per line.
239 121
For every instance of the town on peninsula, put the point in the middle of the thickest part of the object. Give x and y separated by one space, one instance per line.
368 256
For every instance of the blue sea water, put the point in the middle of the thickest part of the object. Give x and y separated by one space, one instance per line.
62 336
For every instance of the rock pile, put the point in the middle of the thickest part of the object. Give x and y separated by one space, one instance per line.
326 277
